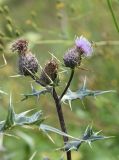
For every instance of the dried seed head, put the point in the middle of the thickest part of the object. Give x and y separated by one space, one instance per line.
72 58
49 73
28 64
21 46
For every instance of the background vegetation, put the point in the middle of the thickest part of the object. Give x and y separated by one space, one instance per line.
51 26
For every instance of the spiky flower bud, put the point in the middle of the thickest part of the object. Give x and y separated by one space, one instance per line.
72 57
28 64
50 73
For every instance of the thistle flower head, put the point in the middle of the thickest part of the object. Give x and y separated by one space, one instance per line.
84 46
72 58
49 73
27 64
21 46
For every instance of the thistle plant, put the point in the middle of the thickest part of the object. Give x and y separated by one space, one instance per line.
49 79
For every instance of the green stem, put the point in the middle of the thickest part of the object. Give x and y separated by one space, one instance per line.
113 15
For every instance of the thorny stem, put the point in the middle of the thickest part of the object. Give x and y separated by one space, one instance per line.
61 119
68 84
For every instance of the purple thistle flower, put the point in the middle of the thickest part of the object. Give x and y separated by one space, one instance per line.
84 46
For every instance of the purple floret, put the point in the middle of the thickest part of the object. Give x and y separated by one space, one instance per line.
84 45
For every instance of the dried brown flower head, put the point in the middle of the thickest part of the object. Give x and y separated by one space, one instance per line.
21 46
49 73
27 64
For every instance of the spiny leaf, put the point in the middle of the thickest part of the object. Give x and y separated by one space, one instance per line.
35 93
81 94
28 120
45 128
71 145
20 119
89 136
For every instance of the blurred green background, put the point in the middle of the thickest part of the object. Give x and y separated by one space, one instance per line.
51 26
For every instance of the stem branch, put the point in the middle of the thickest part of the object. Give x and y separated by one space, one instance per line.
68 84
